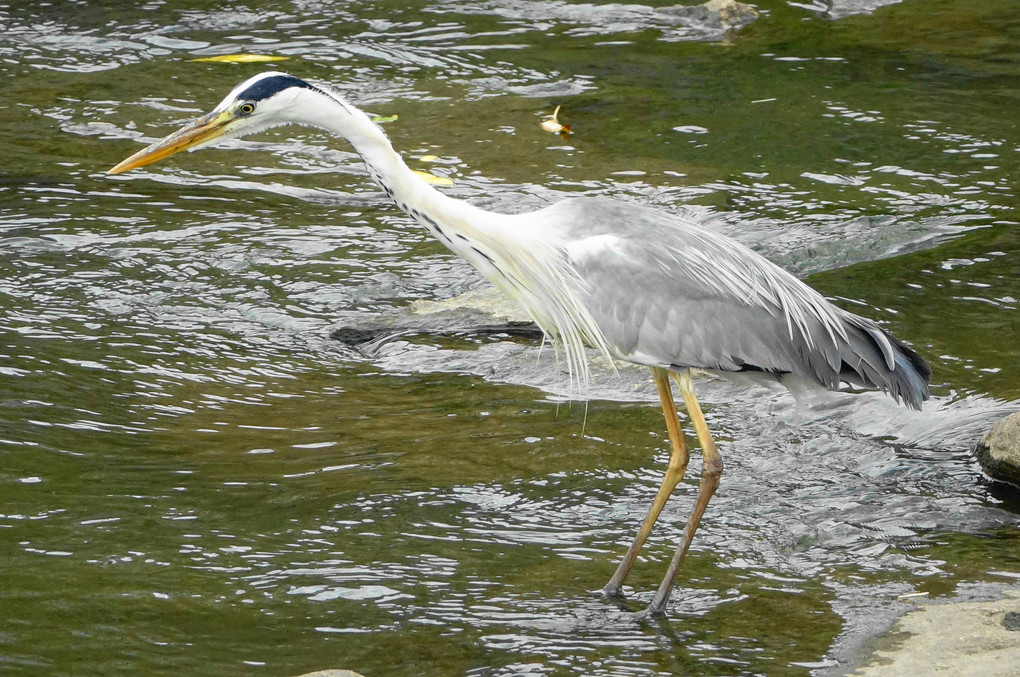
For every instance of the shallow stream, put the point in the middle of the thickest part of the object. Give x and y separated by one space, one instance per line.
196 478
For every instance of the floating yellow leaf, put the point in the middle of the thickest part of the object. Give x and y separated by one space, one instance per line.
242 58
552 124
429 158
433 179
384 118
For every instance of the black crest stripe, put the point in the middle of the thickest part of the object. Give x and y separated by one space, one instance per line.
274 84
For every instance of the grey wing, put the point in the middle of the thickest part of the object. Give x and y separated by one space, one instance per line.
667 292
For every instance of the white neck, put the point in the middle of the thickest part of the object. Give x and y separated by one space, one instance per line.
462 227
521 254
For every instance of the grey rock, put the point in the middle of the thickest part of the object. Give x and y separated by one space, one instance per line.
964 639
999 450
715 13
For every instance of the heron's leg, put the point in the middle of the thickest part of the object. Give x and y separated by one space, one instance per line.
674 473
710 474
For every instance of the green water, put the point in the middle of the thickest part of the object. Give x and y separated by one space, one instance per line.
195 478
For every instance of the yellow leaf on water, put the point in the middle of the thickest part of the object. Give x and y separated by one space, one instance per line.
242 58
433 179
429 158
552 124
384 118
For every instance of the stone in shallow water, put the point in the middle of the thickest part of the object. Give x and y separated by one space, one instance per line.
964 639
999 450
483 311
715 13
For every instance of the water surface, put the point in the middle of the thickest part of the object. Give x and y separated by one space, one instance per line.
196 477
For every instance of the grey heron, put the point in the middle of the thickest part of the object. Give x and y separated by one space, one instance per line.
637 284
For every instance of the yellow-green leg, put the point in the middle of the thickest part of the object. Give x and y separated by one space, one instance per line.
710 474
678 458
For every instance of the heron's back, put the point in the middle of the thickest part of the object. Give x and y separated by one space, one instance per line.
667 292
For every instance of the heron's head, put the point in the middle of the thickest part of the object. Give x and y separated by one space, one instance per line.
264 101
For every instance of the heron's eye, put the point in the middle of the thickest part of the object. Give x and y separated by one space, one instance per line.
247 108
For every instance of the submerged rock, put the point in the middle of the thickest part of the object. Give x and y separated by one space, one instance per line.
479 312
715 13
999 450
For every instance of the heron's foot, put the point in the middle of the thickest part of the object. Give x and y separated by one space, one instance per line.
649 613
612 590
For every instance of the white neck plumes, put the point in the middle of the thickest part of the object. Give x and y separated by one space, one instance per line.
526 261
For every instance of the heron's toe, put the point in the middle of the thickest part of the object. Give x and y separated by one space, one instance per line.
610 590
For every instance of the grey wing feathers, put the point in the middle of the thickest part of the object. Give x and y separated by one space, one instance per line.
905 378
667 292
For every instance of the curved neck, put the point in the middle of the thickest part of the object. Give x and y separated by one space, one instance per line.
521 254
408 190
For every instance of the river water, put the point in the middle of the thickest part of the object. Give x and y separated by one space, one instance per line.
195 477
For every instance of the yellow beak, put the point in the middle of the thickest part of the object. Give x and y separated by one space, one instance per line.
205 128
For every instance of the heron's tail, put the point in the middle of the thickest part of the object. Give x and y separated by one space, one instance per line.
874 358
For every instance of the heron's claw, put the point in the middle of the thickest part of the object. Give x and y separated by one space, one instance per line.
648 614
610 590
